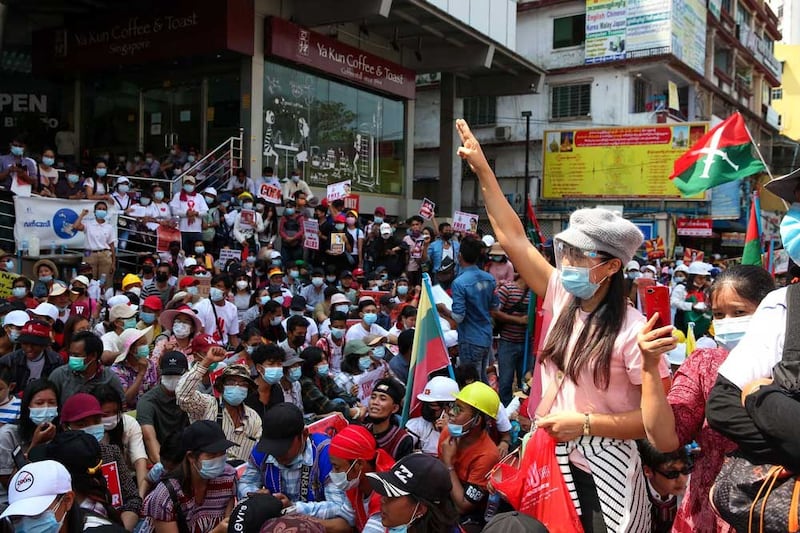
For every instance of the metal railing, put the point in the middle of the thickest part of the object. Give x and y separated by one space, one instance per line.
217 167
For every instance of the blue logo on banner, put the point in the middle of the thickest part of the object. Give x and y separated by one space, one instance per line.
63 221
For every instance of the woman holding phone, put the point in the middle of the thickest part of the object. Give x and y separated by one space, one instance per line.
591 364
38 420
678 418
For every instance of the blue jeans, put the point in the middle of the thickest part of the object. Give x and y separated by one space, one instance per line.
477 356
510 359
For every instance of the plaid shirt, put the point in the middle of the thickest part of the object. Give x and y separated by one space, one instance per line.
201 406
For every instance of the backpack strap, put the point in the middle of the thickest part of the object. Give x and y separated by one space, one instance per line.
180 518
786 373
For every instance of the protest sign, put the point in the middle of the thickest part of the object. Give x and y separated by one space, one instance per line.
337 191
311 234
270 193
465 222
427 209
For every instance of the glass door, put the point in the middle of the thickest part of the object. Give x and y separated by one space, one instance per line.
171 115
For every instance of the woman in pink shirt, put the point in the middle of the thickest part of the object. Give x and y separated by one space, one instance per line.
591 366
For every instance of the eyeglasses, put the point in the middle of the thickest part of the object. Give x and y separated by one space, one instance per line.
447 406
571 252
674 474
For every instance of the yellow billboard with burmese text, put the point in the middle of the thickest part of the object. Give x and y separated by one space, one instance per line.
619 162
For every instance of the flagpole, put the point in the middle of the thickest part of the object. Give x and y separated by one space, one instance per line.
758 151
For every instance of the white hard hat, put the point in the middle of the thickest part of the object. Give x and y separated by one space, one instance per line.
632 265
681 268
488 240
651 268
439 389
699 268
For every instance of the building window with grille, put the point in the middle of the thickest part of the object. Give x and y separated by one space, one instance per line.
641 90
569 31
777 93
480 110
571 101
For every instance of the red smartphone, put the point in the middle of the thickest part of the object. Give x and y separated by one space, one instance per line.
656 300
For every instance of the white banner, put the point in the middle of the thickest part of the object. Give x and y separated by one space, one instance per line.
52 220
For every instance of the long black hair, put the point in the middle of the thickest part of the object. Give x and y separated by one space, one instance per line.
440 518
595 344
25 424
311 357
105 394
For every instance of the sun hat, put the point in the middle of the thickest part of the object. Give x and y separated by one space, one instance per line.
129 337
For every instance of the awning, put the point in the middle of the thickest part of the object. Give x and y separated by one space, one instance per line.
426 39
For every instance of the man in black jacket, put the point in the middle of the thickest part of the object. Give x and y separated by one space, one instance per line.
35 359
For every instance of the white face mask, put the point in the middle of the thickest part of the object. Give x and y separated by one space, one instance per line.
170 382
241 284
110 422
729 331
181 330
340 481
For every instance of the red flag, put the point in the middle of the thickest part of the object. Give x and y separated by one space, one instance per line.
428 353
534 222
751 255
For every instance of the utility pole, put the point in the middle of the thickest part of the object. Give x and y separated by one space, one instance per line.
527 115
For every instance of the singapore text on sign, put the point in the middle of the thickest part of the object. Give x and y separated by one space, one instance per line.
627 162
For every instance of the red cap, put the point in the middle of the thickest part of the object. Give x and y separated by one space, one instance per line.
359 272
201 343
187 281
79 406
148 261
35 332
153 302
324 202
340 218
380 211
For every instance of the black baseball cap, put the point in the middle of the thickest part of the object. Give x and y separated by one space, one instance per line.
282 424
514 522
173 364
205 436
78 451
392 388
417 474
250 514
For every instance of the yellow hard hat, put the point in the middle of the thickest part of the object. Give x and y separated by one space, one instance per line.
480 396
130 279
245 196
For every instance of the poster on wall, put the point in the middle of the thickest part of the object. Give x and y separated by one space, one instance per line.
624 162
331 132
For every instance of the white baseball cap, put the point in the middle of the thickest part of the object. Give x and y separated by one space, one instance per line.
386 229
488 241
119 299
35 486
189 262
16 318
46 309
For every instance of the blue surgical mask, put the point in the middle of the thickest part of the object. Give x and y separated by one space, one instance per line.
19 292
323 370
129 323
576 281
147 318
295 373
212 468
249 349
97 431
378 220
337 333
77 364
402 290
48 161
73 178
158 195
143 351
364 362
42 523
123 188
215 294
276 321
190 159
101 172
188 187
289 211
264 300
100 214
272 375
234 394
17 150
45 279
317 282
339 227
10 265
192 291
13 335
145 201
379 352
294 274
370 318
404 527
343 308
729 331
790 232
456 430
199 249
40 415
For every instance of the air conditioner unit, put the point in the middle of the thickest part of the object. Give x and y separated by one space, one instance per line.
502 133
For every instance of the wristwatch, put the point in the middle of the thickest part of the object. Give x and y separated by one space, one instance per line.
292 509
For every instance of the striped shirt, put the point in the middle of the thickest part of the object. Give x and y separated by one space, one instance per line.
200 406
513 301
9 411
158 505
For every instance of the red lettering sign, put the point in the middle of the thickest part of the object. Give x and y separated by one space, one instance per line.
695 227
317 51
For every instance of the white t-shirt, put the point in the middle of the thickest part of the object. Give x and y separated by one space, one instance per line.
310 332
425 433
46 177
112 342
89 183
163 209
227 315
141 211
356 233
99 236
132 439
194 202
357 331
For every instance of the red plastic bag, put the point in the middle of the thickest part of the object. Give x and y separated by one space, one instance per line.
537 487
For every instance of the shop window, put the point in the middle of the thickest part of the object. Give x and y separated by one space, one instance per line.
571 101
569 31
332 132
777 93
480 110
